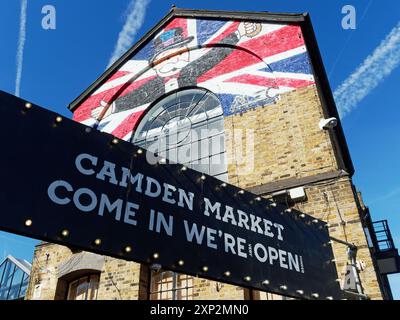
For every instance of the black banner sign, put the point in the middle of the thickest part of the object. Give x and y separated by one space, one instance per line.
66 183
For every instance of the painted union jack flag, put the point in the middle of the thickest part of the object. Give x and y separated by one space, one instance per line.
245 64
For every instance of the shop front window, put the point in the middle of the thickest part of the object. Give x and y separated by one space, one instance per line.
84 288
167 285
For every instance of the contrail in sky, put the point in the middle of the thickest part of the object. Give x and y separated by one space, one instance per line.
21 45
134 20
375 68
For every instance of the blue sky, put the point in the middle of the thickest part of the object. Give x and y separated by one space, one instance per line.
59 64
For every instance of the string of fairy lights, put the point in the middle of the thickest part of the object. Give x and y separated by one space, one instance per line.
270 204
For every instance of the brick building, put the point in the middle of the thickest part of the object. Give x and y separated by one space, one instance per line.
256 82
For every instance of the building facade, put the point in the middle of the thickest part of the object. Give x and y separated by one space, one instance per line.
241 97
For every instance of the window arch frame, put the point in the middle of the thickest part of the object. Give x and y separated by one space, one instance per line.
208 159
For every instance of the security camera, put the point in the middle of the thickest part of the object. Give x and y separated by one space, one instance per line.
155 267
329 123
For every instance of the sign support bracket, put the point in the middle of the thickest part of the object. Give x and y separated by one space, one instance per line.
352 254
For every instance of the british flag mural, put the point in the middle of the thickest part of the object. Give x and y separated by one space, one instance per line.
245 64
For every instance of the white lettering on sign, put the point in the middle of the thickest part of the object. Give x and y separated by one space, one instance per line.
168 193
150 191
130 213
119 209
185 197
79 166
91 202
243 220
263 256
193 232
116 205
213 208
88 193
133 180
161 223
51 191
108 171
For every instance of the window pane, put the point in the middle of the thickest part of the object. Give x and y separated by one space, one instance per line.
3 277
222 177
84 288
24 286
6 274
167 285
15 285
199 131
204 148
72 290
7 280
2 267
171 154
184 154
93 287
186 126
202 165
218 164
217 144
215 126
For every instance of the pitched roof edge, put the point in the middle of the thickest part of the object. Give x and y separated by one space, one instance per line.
257 15
178 12
19 264
340 147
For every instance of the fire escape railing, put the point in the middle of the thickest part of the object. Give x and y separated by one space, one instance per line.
383 236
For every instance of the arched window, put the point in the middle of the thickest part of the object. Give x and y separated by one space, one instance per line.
187 127
84 288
